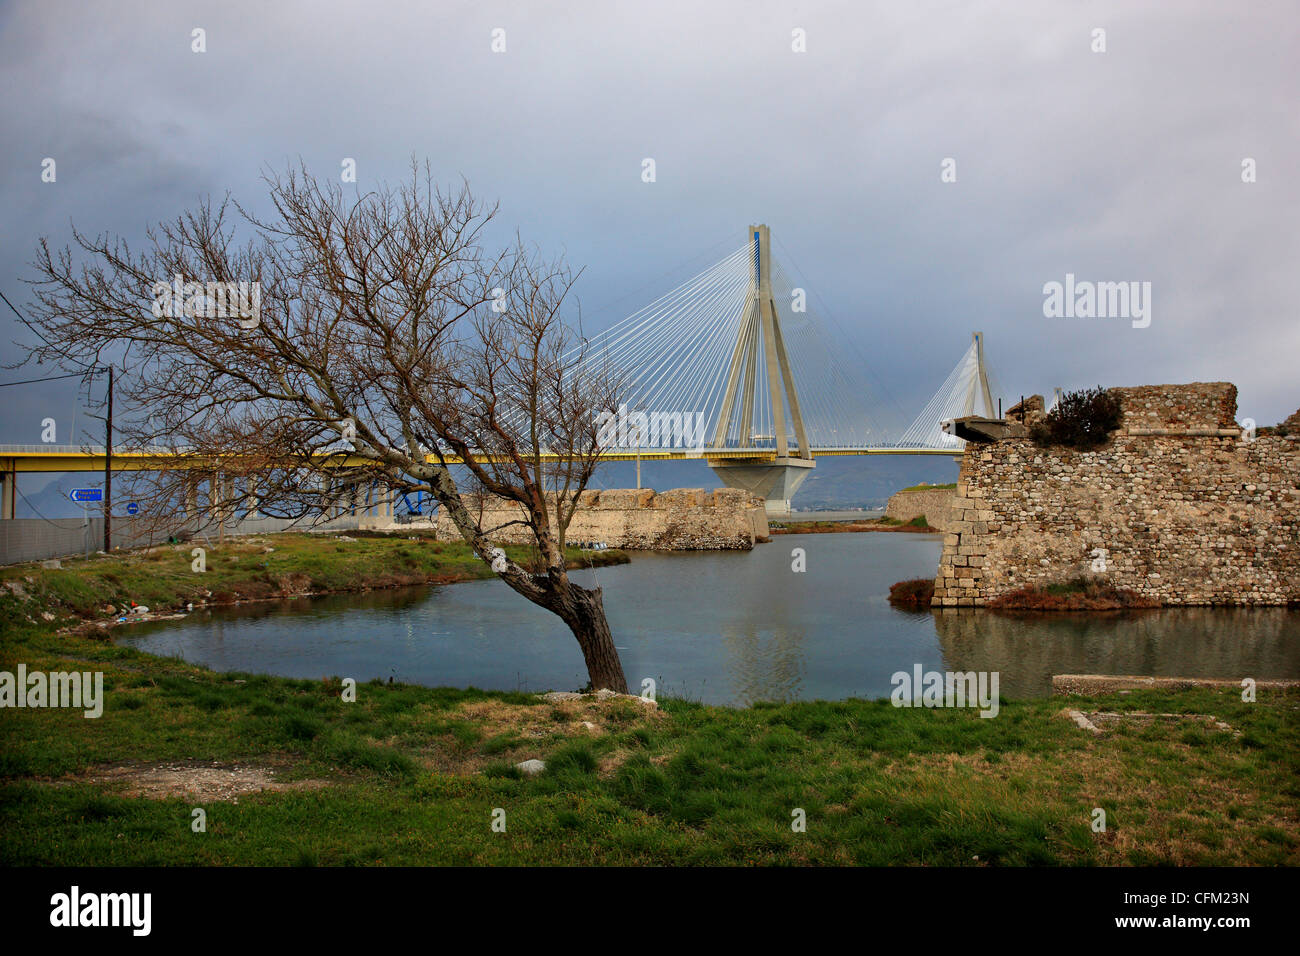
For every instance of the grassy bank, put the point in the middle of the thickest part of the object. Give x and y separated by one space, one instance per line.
247 569
287 772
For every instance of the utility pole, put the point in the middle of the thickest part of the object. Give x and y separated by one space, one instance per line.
108 468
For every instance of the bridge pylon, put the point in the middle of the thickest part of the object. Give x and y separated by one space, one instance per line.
980 380
775 478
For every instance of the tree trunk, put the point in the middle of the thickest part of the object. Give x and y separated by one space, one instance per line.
580 608
584 611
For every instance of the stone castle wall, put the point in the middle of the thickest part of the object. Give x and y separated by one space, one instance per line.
685 519
934 503
1185 510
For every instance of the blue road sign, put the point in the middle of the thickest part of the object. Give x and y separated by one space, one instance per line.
132 508
84 495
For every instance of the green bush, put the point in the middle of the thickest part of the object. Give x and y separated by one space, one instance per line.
1082 419
917 592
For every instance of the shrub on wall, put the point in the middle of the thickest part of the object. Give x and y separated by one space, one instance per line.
1082 419
1281 429
1078 594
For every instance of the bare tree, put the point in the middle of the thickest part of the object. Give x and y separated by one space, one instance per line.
379 341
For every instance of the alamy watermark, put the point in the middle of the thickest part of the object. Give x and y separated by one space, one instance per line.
76 689
1085 299
75 908
948 689
212 300
650 429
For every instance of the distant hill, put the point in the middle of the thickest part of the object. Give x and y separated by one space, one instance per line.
46 496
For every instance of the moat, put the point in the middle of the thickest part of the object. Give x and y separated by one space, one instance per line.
728 628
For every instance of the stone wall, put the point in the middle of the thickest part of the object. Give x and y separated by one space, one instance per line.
1185 511
1200 406
686 519
934 503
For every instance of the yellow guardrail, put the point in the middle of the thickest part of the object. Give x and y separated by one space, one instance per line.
34 458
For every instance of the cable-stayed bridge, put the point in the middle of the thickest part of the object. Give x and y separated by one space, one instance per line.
736 368
733 366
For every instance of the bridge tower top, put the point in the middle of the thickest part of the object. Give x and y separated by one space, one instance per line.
980 380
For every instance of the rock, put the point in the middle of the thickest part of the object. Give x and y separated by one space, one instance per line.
531 768
604 694
54 564
1082 722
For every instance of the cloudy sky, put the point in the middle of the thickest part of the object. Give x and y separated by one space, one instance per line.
1122 165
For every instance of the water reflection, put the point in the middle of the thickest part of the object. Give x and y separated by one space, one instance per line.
765 666
727 628
1028 648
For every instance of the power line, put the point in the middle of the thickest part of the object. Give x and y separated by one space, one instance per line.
49 521
52 378
24 321
86 369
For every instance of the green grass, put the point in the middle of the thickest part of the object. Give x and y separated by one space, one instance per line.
917 522
272 566
948 487
412 775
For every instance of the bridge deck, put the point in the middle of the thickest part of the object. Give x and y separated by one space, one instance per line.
61 458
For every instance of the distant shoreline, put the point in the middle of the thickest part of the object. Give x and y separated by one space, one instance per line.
846 527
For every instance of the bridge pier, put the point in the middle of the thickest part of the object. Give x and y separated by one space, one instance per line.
190 496
8 494
775 481
223 502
